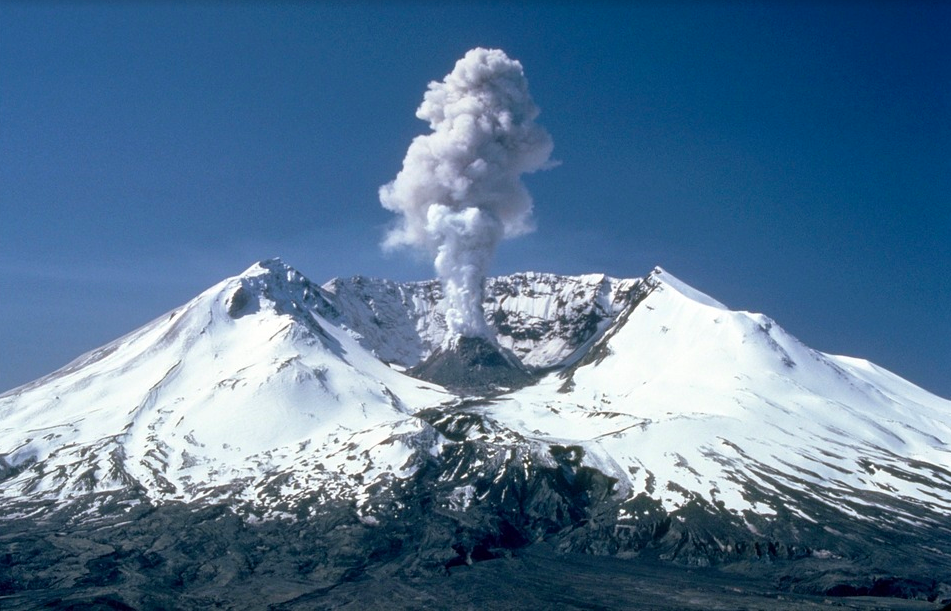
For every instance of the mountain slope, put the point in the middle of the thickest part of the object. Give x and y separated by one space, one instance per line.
688 402
243 380
734 387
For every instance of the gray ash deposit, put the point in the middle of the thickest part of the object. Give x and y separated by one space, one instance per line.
473 365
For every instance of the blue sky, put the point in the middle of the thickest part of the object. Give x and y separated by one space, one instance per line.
791 159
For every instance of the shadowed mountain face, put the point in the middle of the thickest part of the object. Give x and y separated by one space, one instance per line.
278 443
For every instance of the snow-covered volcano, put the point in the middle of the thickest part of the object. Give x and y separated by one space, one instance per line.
656 418
268 373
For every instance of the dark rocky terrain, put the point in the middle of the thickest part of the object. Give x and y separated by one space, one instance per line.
473 365
539 536
177 557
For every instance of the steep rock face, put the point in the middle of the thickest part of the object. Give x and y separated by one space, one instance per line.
546 320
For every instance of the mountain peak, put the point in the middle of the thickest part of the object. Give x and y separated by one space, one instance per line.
276 282
272 266
662 276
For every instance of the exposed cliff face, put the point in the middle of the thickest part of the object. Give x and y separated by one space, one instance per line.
544 319
614 417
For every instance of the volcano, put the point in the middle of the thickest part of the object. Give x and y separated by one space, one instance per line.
278 443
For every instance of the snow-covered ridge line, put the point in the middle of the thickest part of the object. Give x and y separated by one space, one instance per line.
662 276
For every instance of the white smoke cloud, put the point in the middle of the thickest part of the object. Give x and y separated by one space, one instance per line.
460 190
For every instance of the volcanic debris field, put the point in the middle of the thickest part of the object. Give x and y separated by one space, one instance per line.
185 557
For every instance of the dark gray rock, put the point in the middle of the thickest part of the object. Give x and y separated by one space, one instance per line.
473 365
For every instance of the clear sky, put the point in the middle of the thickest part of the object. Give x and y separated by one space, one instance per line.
792 159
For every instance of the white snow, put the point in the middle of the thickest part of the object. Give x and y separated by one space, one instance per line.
197 398
685 382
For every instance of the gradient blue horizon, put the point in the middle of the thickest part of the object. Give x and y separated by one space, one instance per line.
790 159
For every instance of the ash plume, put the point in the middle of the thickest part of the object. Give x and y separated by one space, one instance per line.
460 190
